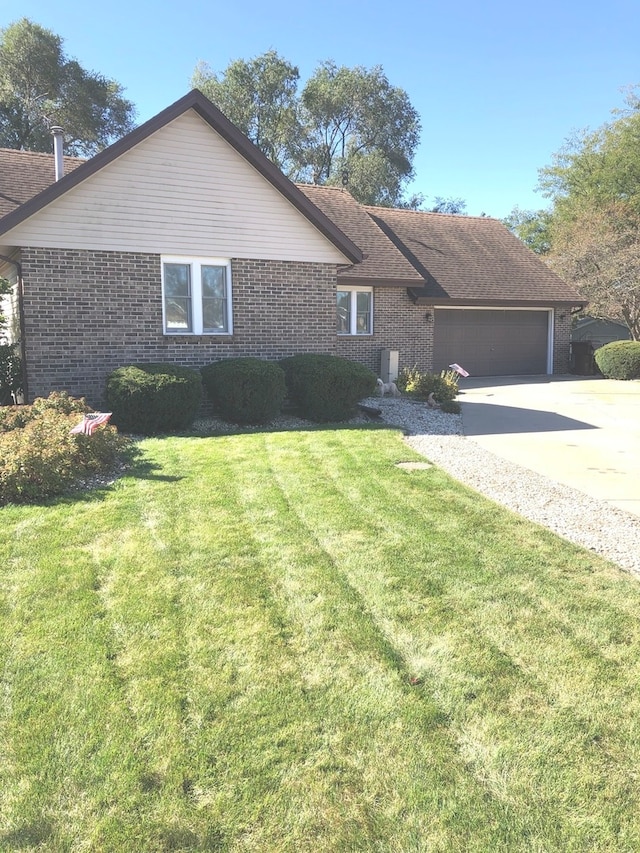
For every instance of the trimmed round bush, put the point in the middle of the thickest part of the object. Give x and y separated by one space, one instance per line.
152 398
245 390
325 387
619 360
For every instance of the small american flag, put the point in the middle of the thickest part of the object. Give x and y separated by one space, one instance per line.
458 369
89 422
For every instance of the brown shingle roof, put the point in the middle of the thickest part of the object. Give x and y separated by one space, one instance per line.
467 259
440 257
383 263
24 174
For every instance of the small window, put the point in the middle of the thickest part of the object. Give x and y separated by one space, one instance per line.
177 298
355 311
196 296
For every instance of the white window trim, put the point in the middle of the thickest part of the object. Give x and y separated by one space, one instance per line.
196 296
353 290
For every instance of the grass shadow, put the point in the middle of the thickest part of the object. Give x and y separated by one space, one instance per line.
94 488
29 835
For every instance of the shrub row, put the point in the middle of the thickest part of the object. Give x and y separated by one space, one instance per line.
619 360
41 458
152 398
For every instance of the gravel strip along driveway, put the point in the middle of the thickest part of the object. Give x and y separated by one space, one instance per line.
608 531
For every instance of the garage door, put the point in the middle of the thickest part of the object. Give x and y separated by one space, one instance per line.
492 342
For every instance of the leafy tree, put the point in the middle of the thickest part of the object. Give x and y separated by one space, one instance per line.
449 205
347 125
597 167
532 227
260 97
41 87
359 128
417 201
590 234
598 250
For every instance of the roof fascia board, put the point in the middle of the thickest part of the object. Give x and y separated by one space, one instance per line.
420 299
196 101
356 281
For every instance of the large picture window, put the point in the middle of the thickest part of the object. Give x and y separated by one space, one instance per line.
355 311
196 296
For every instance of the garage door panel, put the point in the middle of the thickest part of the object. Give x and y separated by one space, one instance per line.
491 343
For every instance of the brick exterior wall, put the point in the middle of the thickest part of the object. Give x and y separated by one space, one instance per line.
561 340
87 313
398 324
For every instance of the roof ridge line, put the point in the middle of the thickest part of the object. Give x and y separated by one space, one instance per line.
431 213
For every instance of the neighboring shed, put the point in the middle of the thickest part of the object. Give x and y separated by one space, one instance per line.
589 334
599 331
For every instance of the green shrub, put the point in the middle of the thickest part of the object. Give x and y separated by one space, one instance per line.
444 387
16 417
62 402
619 360
325 387
152 398
41 458
245 390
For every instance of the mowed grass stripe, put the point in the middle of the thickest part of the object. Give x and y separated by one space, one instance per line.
338 677
248 615
565 676
64 725
576 588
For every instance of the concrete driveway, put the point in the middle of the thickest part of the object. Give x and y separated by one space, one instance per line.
580 431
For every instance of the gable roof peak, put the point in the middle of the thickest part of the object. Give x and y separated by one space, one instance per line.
196 101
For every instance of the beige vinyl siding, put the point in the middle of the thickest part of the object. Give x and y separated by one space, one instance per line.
183 190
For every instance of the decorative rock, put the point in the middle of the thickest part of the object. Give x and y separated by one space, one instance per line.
606 530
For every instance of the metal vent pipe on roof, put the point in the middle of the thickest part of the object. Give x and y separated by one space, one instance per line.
58 150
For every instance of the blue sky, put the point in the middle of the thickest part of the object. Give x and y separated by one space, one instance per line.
499 86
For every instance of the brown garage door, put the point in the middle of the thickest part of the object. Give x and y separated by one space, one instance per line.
492 342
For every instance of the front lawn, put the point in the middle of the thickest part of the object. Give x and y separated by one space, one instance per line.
284 642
